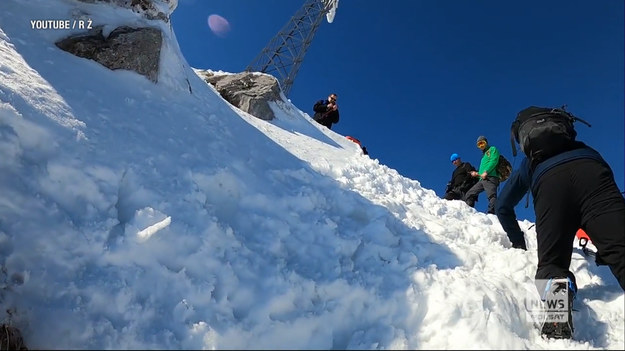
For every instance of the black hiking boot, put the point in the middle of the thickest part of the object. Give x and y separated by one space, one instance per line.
519 245
559 296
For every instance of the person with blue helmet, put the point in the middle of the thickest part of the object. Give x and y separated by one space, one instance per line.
461 179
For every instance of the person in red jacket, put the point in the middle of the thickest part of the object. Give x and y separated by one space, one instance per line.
363 148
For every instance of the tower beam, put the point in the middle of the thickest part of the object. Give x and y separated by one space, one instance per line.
284 54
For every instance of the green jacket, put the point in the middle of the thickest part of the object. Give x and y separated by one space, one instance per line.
489 162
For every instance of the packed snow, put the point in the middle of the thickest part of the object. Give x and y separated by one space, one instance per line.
136 215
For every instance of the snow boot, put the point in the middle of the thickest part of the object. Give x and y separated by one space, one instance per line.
558 301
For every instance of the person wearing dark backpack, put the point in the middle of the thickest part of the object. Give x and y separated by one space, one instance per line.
327 111
461 179
572 187
488 176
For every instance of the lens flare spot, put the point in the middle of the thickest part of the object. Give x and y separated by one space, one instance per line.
218 25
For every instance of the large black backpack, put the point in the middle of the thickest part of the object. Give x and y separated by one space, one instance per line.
542 132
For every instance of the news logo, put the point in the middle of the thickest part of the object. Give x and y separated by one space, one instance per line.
552 304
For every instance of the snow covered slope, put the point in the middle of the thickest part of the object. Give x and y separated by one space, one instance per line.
138 215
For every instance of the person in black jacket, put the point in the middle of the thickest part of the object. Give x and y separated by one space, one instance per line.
461 179
571 190
327 111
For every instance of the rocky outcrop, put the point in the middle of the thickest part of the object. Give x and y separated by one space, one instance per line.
151 9
251 92
11 337
135 49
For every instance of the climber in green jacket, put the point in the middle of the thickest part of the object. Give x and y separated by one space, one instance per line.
489 177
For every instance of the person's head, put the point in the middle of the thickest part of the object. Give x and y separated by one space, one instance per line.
332 98
455 159
482 143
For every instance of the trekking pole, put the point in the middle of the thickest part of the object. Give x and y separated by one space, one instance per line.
573 117
581 120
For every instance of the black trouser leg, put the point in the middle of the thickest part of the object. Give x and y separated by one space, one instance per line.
607 234
471 196
579 194
557 221
490 187
555 232
453 195
603 209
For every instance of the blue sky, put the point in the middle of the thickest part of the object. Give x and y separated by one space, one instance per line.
419 80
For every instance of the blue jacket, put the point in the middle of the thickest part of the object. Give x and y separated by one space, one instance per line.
523 179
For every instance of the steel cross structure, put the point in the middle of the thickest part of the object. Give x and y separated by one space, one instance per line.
285 52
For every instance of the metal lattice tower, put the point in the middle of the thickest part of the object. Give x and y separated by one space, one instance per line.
285 52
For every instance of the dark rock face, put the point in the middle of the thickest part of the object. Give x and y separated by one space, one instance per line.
151 9
11 338
135 49
248 91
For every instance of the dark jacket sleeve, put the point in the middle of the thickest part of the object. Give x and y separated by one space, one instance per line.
320 106
470 168
462 180
336 116
517 186
467 169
